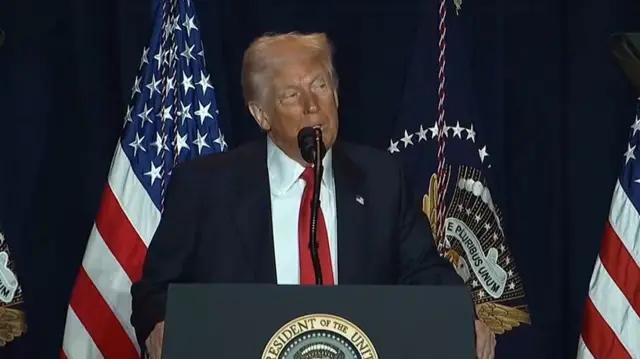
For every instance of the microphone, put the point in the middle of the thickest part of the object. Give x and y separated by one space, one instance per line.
312 150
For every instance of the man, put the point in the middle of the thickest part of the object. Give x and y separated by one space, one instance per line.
234 217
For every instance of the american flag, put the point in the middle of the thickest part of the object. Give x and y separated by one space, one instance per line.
611 319
172 117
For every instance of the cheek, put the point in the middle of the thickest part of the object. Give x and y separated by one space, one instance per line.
330 109
288 123
332 117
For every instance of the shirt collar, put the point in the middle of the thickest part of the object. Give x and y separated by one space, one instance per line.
284 171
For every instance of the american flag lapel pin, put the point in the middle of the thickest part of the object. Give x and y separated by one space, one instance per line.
359 199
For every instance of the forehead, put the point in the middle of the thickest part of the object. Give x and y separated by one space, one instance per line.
295 64
298 71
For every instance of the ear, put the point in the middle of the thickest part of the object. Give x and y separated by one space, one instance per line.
260 116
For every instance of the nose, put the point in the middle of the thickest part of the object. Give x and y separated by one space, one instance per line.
311 105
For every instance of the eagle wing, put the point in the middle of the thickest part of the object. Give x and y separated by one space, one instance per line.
12 324
501 318
430 202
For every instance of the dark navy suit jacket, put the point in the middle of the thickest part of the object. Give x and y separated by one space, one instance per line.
216 227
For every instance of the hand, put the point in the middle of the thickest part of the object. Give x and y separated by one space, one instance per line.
154 341
485 341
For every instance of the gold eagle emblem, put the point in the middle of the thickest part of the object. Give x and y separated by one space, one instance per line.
12 324
501 318
430 202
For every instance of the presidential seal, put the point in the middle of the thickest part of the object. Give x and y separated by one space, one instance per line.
319 336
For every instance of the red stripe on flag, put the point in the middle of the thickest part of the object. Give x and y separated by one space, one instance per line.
63 355
598 336
100 322
119 235
621 266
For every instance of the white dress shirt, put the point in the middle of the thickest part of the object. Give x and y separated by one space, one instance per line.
286 194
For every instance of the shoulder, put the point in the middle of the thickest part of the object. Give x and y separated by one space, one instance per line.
237 157
221 165
377 172
370 160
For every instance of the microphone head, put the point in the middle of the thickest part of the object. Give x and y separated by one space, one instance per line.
307 140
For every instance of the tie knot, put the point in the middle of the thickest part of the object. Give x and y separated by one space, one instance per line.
307 175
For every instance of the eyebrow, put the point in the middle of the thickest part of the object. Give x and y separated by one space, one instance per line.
313 79
318 76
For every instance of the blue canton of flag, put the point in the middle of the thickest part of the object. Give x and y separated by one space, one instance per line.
631 171
173 116
439 140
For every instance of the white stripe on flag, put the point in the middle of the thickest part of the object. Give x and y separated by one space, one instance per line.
583 351
77 343
134 201
625 220
615 309
110 279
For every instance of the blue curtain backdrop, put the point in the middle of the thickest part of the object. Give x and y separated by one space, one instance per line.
556 108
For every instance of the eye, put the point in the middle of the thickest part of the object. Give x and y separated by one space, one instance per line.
289 94
289 97
321 85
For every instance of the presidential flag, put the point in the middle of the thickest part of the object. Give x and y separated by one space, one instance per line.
172 117
611 319
13 324
441 141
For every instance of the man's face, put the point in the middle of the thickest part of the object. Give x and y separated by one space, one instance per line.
300 94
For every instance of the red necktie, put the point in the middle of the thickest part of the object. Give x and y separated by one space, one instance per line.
307 275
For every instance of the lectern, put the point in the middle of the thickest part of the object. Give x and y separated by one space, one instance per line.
260 321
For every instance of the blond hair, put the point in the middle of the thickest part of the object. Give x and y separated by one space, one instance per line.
261 57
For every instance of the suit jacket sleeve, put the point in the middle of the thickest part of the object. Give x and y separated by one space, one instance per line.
420 262
168 254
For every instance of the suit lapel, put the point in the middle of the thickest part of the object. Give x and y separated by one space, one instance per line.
253 213
351 219
254 225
